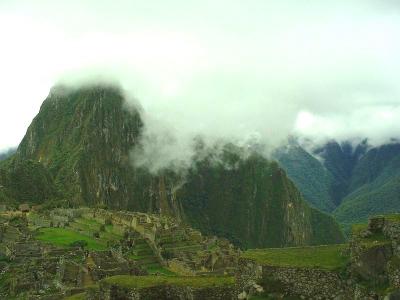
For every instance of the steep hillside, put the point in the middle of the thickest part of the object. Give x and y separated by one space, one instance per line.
358 182
26 181
309 174
84 139
375 186
340 160
250 203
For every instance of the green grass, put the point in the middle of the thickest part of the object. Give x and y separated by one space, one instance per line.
153 269
91 225
64 237
376 239
81 296
393 217
317 257
357 228
126 281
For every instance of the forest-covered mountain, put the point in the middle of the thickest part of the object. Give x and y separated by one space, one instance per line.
353 181
78 151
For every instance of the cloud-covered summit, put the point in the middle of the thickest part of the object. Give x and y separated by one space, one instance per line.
218 69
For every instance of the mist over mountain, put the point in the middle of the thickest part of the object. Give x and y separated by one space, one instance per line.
321 80
214 149
79 150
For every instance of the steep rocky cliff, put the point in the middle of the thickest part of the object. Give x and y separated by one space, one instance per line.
83 139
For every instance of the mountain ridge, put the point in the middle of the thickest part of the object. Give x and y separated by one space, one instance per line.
364 180
84 138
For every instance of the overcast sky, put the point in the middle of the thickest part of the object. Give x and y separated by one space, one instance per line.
239 69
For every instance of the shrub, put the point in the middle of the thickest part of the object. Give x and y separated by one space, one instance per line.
80 243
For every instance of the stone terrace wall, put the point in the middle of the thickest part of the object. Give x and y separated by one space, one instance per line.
392 231
166 292
308 283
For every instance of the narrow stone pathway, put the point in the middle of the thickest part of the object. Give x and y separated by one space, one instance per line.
87 278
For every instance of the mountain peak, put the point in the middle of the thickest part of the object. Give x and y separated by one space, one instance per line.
84 137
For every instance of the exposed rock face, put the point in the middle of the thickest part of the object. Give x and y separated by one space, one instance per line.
83 138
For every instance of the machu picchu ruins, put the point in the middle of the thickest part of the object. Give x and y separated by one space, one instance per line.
61 252
89 210
90 253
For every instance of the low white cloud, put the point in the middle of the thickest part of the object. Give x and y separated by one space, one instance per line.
228 70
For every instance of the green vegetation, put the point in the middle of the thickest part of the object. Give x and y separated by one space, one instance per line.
325 230
81 296
393 217
374 187
330 257
65 237
74 141
254 195
371 199
158 269
81 244
375 239
25 181
358 182
92 226
151 281
6 154
309 175
145 257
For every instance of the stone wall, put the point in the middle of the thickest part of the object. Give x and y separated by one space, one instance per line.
303 282
373 269
165 292
392 231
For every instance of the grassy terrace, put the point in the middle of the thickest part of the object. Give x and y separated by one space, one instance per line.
393 217
376 239
63 237
126 281
81 296
80 229
318 257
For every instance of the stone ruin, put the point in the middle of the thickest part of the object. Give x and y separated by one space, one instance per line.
181 248
35 270
372 271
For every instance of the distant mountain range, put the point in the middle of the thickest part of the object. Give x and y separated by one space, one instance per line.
352 182
78 151
6 154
